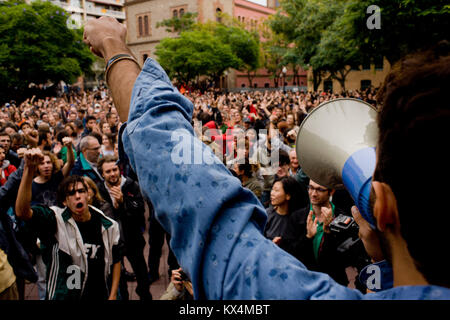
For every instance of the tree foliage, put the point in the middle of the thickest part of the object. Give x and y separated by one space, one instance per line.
179 24
37 46
333 36
193 54
303 22
209 50
406 26
276 52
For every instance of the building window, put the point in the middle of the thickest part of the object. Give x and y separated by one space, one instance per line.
219 15
378 61
178 11
144 57
140 26
146 29
143 27
365 84
328 86
366 65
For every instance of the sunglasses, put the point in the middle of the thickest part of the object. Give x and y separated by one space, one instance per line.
74 191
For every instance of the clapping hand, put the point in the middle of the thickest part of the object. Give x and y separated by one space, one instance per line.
327 214
311 226
117 195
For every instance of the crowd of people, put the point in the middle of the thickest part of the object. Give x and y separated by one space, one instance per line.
248 225
76 134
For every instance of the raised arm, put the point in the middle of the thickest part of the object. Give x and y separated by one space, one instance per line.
215 224
106 41
33 158
67 141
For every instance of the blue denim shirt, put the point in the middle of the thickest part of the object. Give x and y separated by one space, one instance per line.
216 225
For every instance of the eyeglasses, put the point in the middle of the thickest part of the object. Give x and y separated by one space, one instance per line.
74 191
312 189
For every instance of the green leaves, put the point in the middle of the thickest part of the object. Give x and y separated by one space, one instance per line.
179 24
333 35
36 46
209 50
406 26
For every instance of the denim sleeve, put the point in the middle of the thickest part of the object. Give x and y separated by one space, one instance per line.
215 224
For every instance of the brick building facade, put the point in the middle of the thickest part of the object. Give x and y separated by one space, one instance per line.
143 36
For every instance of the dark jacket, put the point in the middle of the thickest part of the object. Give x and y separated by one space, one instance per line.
18 258
131 213
83 168
329 260
8 192
13 158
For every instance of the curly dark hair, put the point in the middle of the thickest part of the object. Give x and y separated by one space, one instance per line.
413 122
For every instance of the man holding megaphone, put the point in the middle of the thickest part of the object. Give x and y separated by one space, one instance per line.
216 225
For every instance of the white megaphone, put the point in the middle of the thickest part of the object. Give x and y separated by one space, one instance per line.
336 148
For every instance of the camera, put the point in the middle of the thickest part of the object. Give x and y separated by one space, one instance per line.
183 276
345 230
344 224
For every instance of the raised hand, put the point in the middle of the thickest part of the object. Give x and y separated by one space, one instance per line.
311 226
327 215
33 157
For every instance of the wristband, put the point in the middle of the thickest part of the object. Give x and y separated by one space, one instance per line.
116 58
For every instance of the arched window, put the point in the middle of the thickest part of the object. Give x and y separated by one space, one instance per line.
144 57
175 13
219 15
181 12
140 26
146 26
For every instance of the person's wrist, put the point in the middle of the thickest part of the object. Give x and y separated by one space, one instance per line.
113 46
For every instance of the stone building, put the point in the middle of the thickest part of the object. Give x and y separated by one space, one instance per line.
143 36
143 16
83 10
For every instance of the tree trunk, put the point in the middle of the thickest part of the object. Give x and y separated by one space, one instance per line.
250 78
296 77
341 76
275 81
317 79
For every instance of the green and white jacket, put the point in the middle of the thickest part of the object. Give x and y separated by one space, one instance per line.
63 253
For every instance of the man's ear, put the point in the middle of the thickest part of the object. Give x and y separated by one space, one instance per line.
332 191
385 208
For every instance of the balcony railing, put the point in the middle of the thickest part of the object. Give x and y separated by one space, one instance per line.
105 12
68 6
112 2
